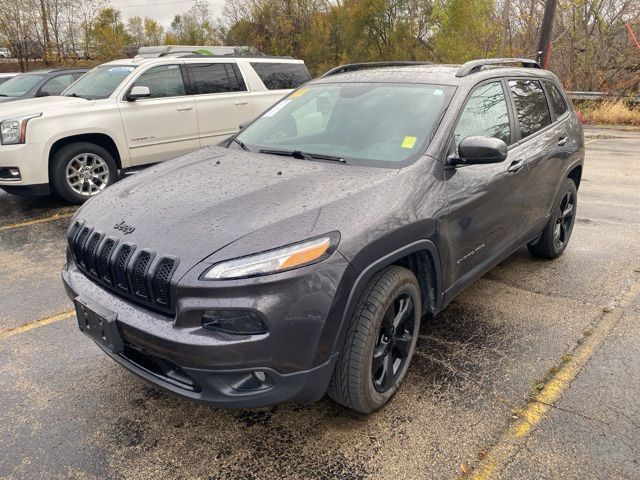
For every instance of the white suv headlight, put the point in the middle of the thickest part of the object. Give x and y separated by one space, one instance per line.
274 261
13 131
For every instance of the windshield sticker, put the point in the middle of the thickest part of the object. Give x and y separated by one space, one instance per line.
299 93
438 93
408 142
121 70
277 108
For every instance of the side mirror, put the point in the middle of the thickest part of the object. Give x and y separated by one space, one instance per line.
41 94
479 151
137 92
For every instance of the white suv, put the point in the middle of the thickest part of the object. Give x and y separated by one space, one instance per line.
128 113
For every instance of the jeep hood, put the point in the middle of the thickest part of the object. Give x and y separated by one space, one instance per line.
44 105
197 204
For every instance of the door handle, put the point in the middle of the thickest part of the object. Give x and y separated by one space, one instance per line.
184 108
241 102
562 141
515 166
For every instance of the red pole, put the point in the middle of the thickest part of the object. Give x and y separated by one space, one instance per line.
632 35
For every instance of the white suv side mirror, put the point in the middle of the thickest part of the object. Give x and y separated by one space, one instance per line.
137 92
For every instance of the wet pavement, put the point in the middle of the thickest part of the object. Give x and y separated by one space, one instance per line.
70 412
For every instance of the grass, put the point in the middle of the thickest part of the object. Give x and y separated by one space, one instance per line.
610 112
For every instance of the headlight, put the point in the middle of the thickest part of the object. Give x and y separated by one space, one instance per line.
14 130
278 260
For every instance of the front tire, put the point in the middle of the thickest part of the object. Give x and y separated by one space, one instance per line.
555 237
81 170
380 341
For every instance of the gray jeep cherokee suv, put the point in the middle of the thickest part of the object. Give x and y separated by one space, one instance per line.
299 258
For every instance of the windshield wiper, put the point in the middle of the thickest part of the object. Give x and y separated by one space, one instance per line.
242 145
303 155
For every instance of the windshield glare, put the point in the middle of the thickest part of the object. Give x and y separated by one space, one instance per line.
100 82
18 86
378 124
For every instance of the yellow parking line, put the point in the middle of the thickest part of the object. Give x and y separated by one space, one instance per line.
10 332
591 141
52 218
498 456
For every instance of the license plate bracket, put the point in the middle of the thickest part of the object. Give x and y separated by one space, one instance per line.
99 324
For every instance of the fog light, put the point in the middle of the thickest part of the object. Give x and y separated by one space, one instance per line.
235 322
10 173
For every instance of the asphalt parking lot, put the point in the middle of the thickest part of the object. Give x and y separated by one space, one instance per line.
533 372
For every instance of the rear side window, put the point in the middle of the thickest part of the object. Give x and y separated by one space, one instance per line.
56 85
557 100
163 81
280 76
215 78
531 106
485 114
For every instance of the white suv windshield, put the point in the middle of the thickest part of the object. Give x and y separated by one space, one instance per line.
100 82
18 86
377 124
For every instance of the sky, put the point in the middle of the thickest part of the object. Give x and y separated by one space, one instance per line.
161 10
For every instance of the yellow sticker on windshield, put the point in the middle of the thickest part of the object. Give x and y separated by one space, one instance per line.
408 142
299 93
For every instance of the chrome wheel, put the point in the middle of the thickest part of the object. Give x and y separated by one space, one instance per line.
87 174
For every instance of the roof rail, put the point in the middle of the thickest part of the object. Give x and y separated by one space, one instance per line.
476 65
352 67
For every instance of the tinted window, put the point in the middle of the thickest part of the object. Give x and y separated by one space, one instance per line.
278 76
56 85
18 86
531 105
215 78
485 114
163 81
557 100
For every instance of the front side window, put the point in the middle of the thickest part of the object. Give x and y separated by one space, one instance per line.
18 86
557 100
163 81
485 114
56 85
377 124
215 78
100 82
280 76
531 106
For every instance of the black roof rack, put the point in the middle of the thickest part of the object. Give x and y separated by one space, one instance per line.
476 65
352 67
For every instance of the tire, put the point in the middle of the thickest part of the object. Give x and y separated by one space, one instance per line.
556 234
356 383
100 170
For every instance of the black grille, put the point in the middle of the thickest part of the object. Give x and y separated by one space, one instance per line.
104 270
120 267
140 277
160 282
90 253
81 239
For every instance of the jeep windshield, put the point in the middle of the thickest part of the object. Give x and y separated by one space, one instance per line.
19 85
376 124
100 82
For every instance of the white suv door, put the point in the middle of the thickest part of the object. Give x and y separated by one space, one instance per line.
221 97
164 125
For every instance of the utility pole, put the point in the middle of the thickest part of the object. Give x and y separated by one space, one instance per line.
544 44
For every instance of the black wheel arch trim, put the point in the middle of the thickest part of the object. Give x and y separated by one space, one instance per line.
367 274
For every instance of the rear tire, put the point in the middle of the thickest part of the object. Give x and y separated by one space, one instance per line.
379 343
81 170
555 237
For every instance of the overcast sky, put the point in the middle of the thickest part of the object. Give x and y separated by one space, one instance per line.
161 10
